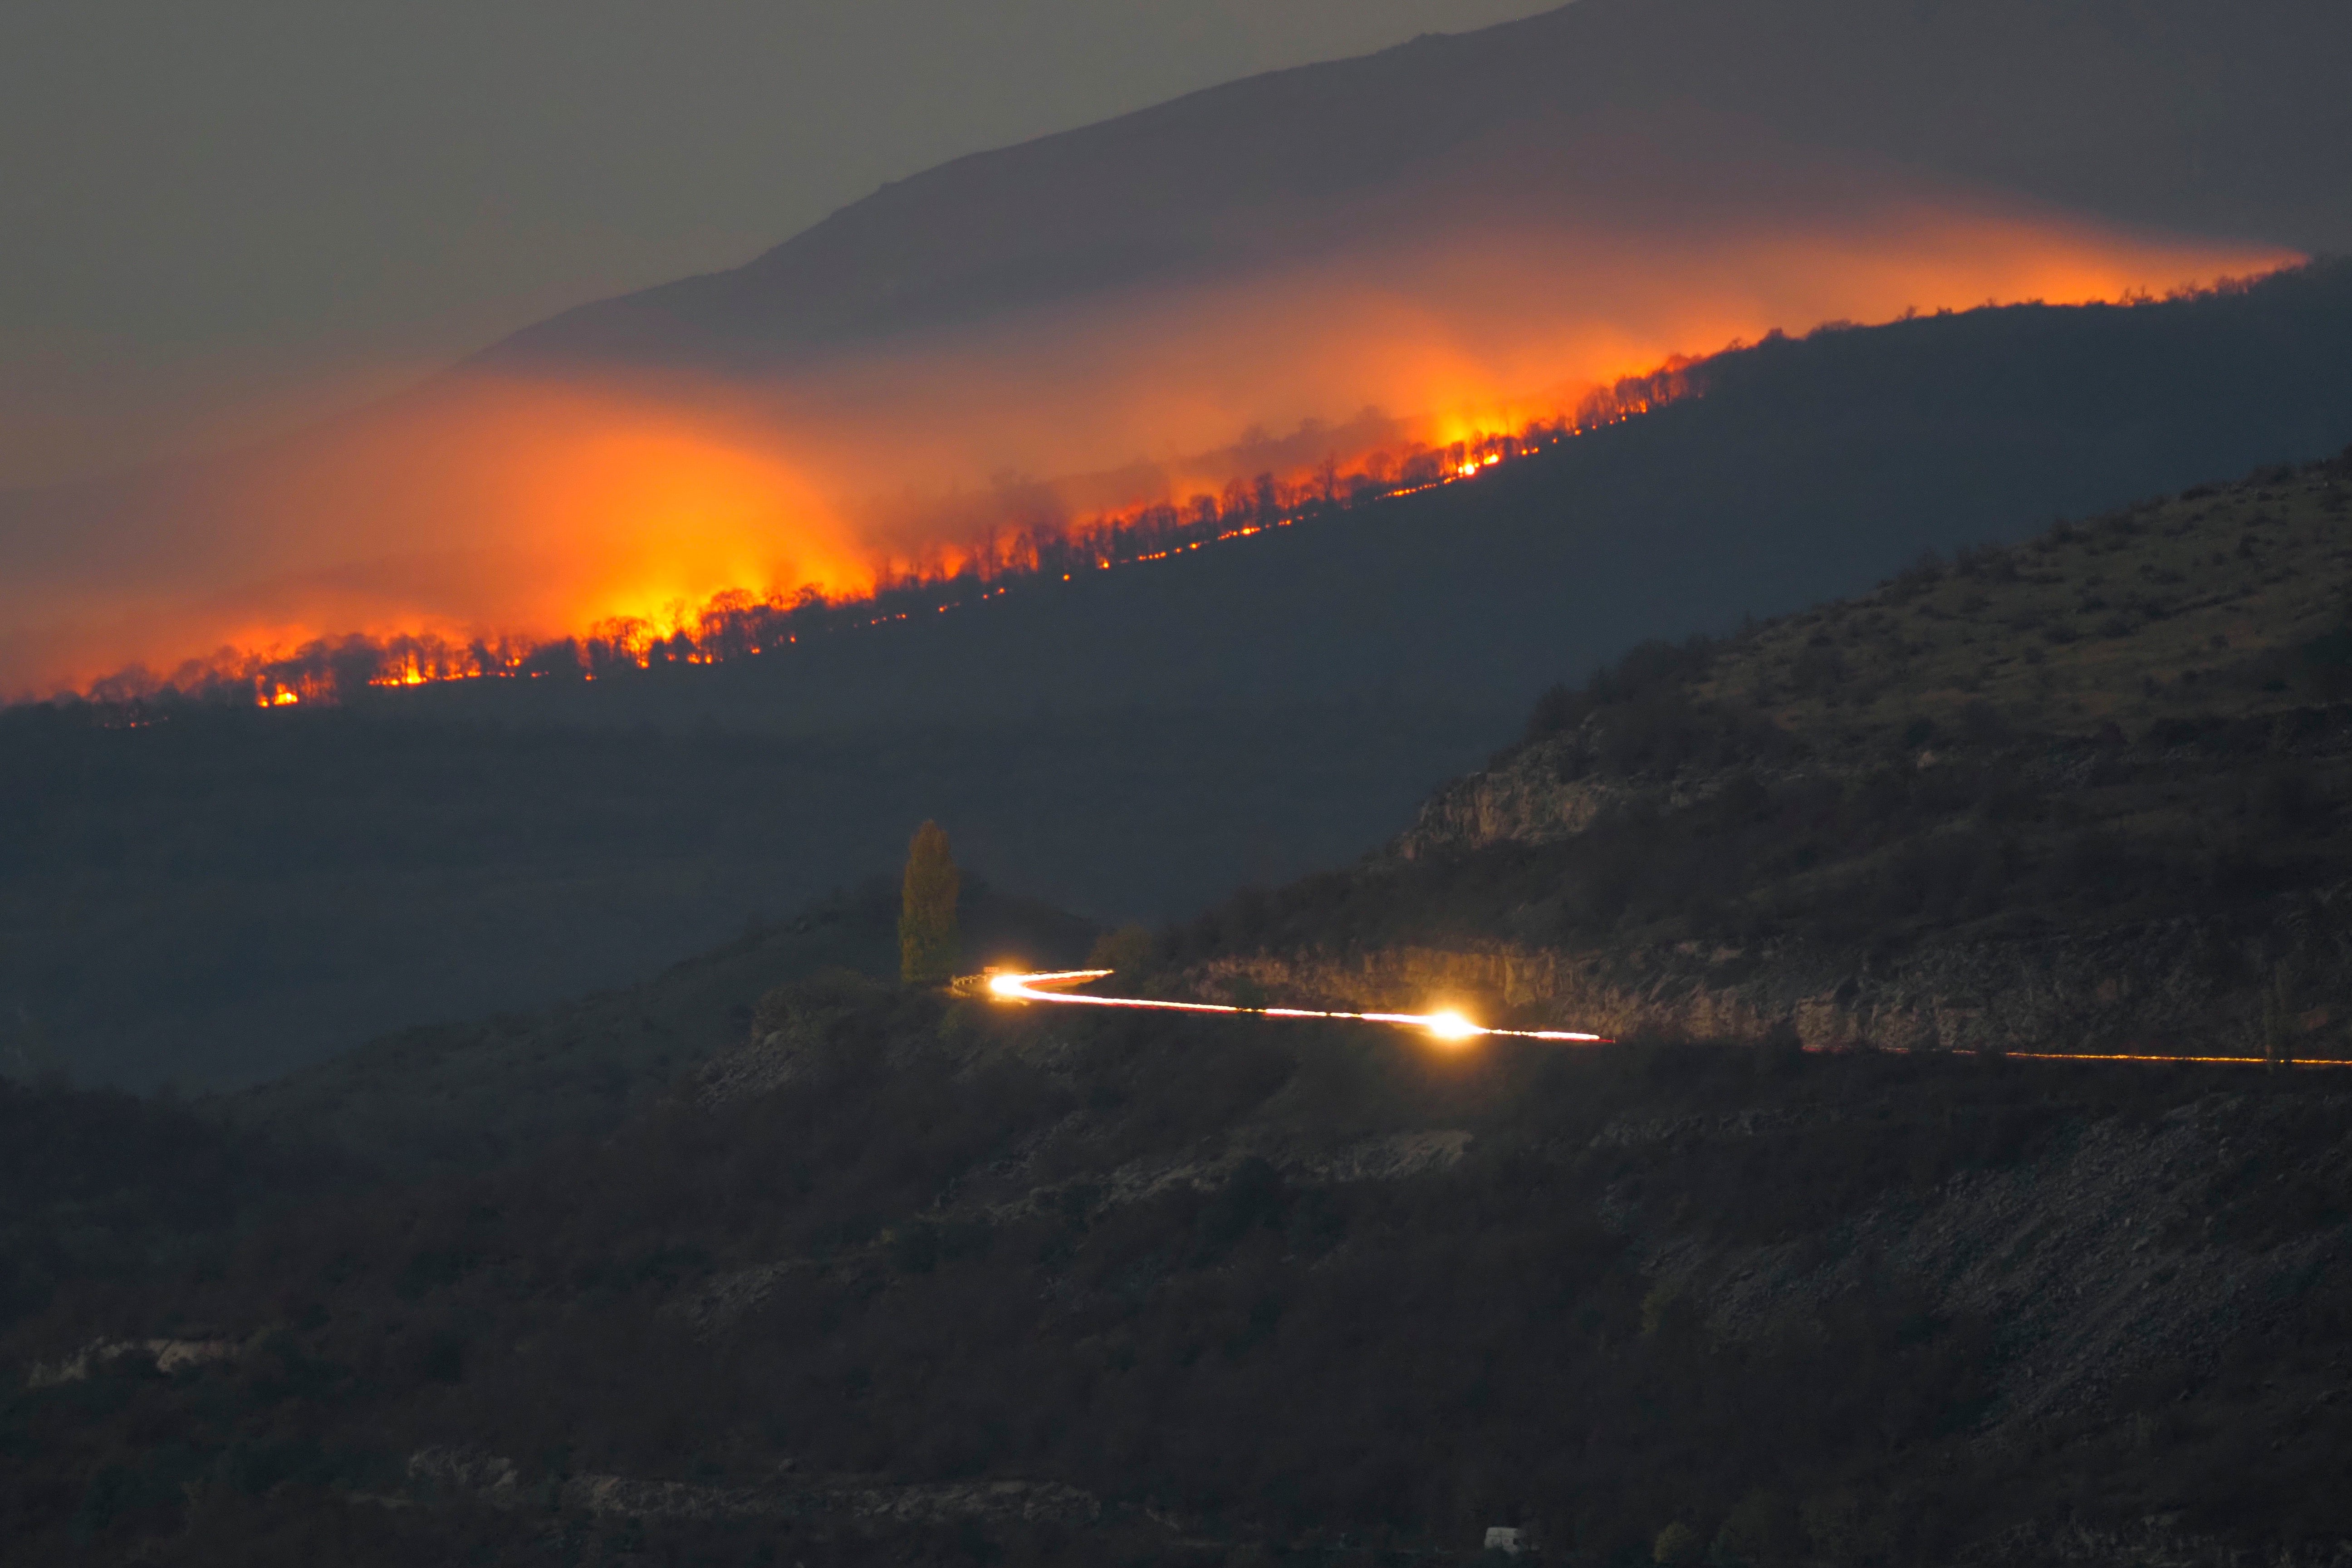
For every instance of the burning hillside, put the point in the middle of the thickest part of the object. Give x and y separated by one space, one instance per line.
739 623
502 526
1448 242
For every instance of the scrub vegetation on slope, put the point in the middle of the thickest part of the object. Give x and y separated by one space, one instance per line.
2083 793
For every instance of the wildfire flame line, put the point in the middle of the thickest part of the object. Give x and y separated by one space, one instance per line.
737 624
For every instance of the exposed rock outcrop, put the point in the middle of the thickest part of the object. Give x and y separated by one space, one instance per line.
1522 799
2098 1261
2167 986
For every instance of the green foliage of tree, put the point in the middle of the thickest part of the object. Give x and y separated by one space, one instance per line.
927 918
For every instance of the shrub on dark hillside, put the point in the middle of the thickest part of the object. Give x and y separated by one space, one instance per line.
98 1185
1652 669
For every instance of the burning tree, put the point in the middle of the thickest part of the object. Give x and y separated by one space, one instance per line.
926 916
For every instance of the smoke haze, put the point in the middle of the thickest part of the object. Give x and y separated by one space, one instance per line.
496 503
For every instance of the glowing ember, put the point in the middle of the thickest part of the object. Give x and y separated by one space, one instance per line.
1449 1026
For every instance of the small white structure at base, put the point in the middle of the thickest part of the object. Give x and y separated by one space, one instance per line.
1509 1539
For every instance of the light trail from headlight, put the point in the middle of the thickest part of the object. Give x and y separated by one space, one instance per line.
1448 1027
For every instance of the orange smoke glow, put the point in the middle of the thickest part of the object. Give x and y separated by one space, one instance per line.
540 511
500 512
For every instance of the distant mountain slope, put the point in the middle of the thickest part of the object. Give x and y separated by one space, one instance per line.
2210 116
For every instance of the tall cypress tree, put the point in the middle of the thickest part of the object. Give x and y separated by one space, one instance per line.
926 916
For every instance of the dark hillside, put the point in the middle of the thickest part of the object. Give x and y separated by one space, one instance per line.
2086 792
227 896
917 1279
494 1092
98 1187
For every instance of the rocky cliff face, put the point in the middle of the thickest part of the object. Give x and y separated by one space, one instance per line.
2093 792
1522 799
2176 988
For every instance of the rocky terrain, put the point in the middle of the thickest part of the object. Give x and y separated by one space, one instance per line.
2083 794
